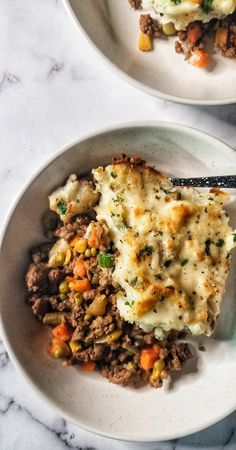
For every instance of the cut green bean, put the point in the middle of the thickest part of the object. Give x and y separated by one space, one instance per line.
56 318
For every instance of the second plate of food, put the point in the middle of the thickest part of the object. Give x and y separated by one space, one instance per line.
112 27
109 285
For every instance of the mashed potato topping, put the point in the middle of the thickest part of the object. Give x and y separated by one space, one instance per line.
173 247
182 12
76 197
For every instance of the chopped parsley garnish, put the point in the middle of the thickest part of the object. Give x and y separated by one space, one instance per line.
167 263
130 304
207 247
114 174
118 199
134 281
211 198
167 191
62 207
158 277
146 251
177 2
184 262
206 6
234 237
220 243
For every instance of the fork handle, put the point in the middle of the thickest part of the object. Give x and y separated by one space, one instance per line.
227 181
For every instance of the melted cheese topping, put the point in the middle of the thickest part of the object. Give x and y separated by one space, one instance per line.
173 248
186 11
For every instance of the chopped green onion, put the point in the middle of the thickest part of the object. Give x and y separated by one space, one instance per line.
105 260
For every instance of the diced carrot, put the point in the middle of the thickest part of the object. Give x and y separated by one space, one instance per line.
221 37
194 32
61 332
157 349
148 356
79 244
96 237
200 58
79 269
89 366
79 285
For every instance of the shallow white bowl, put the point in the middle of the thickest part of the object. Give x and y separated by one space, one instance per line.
112 29
205 391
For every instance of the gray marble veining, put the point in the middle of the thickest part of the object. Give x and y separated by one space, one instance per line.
52 90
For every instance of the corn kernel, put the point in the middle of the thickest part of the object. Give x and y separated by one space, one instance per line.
68 256
168 29
59 259
130 366
145 42
88 253
79 244
87 317
114 362
64 287
158 368
113 336
93 251
163 374
78 299
75 346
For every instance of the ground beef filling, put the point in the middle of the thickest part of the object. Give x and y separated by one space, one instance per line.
149 26
223 32
190 42
96 335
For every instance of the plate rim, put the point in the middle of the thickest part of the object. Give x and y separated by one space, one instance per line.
130 80
121 126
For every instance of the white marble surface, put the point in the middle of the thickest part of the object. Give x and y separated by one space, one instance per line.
52 90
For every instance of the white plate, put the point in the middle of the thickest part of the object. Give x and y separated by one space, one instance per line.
205 392
112 28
